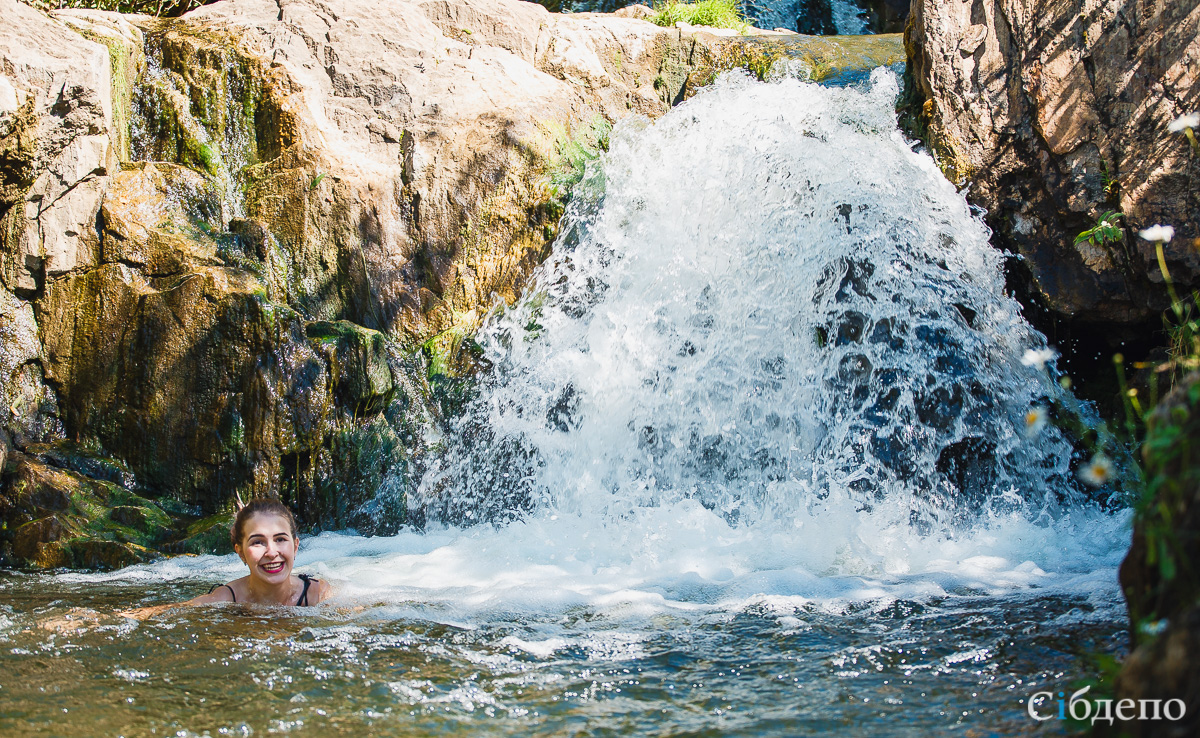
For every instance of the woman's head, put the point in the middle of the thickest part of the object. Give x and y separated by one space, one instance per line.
261 505
264 536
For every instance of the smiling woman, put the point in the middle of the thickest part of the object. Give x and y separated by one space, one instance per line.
264 536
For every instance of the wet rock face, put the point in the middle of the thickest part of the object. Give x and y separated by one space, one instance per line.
1051 115
196 380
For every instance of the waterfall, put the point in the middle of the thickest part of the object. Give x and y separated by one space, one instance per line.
768 304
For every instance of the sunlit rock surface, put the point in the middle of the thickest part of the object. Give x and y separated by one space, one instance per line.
1052 114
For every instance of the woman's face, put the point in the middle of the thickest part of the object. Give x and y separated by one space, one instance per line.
268 548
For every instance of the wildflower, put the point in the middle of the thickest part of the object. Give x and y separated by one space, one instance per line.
1184 122
1038 358
1160 233
1098 472
1035 420
1154 628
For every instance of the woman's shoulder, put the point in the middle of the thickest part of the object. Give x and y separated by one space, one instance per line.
219 593
318 590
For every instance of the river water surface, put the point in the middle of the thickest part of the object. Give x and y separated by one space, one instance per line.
753 458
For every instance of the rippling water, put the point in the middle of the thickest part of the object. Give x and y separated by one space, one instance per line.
457 656
751 460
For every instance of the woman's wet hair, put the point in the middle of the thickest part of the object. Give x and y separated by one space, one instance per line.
260 506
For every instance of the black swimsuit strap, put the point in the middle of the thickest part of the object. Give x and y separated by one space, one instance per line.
226 586
302 600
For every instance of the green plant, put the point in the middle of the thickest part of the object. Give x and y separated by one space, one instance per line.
1104 232
713 13
316 181
166 8
1112 186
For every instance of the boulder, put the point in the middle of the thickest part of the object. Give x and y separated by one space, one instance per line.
59 518
1049 115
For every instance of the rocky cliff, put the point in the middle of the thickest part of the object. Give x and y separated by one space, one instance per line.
1050 114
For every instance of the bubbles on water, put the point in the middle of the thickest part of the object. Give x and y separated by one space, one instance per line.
767 303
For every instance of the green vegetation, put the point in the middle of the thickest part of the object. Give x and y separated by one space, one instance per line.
714 13
1105 231
452 361
164 8
1172 466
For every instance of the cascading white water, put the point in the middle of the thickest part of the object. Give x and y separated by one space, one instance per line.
769 302
772 354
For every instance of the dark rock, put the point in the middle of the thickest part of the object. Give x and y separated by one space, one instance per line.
1164 668
208 535
73 457
815 18
27 540
358 362
1048 116
103 554
885 16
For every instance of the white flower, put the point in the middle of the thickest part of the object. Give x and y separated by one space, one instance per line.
1038 358
1154 629
1184 122
1035 420
1158 233
1098 472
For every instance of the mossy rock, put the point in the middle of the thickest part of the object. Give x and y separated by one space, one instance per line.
53 517
29 540
82 460
358 359
99 553
208 535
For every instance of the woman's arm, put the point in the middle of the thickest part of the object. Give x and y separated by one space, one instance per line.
220 594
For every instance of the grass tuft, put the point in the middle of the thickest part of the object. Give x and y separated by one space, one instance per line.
713 13
162 8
